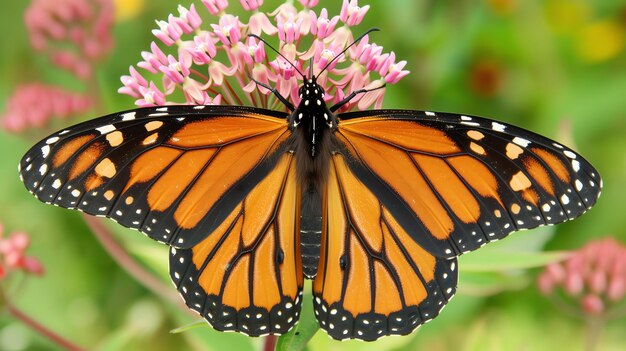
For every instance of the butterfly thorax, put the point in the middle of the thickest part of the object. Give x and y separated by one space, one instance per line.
312 124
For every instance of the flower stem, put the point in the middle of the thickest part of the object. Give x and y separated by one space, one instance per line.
270 343
39 328
122 258
594 331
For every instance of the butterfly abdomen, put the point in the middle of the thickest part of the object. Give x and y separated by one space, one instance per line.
310 232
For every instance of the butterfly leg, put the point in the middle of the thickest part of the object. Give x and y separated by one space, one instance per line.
275 92
345 100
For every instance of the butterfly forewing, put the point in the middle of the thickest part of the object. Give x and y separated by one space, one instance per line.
174 173
457 182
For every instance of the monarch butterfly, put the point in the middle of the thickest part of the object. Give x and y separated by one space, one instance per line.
374 206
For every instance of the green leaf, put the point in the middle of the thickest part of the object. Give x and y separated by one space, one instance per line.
491 283
193 325
298 338
502 261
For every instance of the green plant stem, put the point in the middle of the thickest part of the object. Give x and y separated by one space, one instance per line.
125 261
594 331
41 329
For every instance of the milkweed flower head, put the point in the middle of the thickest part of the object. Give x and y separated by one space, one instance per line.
13 255
74 34
193 62
593 278
35 104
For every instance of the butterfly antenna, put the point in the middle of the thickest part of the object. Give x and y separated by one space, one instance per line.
346 49
278 52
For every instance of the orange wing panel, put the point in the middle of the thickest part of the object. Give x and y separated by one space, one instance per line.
373 279
455 183
244 275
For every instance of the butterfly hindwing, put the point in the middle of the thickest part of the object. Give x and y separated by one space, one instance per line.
457 182
173 173
246 276
373 279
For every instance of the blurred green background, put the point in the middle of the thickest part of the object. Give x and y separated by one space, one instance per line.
555 67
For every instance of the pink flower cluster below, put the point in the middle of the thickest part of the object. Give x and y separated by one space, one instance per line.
33 105
212 64
594 276
13 255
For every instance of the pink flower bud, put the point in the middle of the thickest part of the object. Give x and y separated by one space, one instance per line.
617 288
309 3
597 281
228 30
215 6
289 29
322 26
14 259
32 265
190 16
257 50
351 13
592 304
251 5
19 240
546 283
151 96
574 284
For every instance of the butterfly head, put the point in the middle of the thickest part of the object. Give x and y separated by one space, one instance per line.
311 94
312 106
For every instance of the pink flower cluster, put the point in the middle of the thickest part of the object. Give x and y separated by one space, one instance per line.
13 257
73 33
594 277
33 105
212 64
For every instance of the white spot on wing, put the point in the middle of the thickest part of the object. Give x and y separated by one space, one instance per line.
498 127
45 150
473 124
428 113
521 141
106 129
569 154
579 185
129 116
52 140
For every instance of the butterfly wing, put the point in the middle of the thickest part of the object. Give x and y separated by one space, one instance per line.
373 278
247 275
216 183
456 182
174 173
